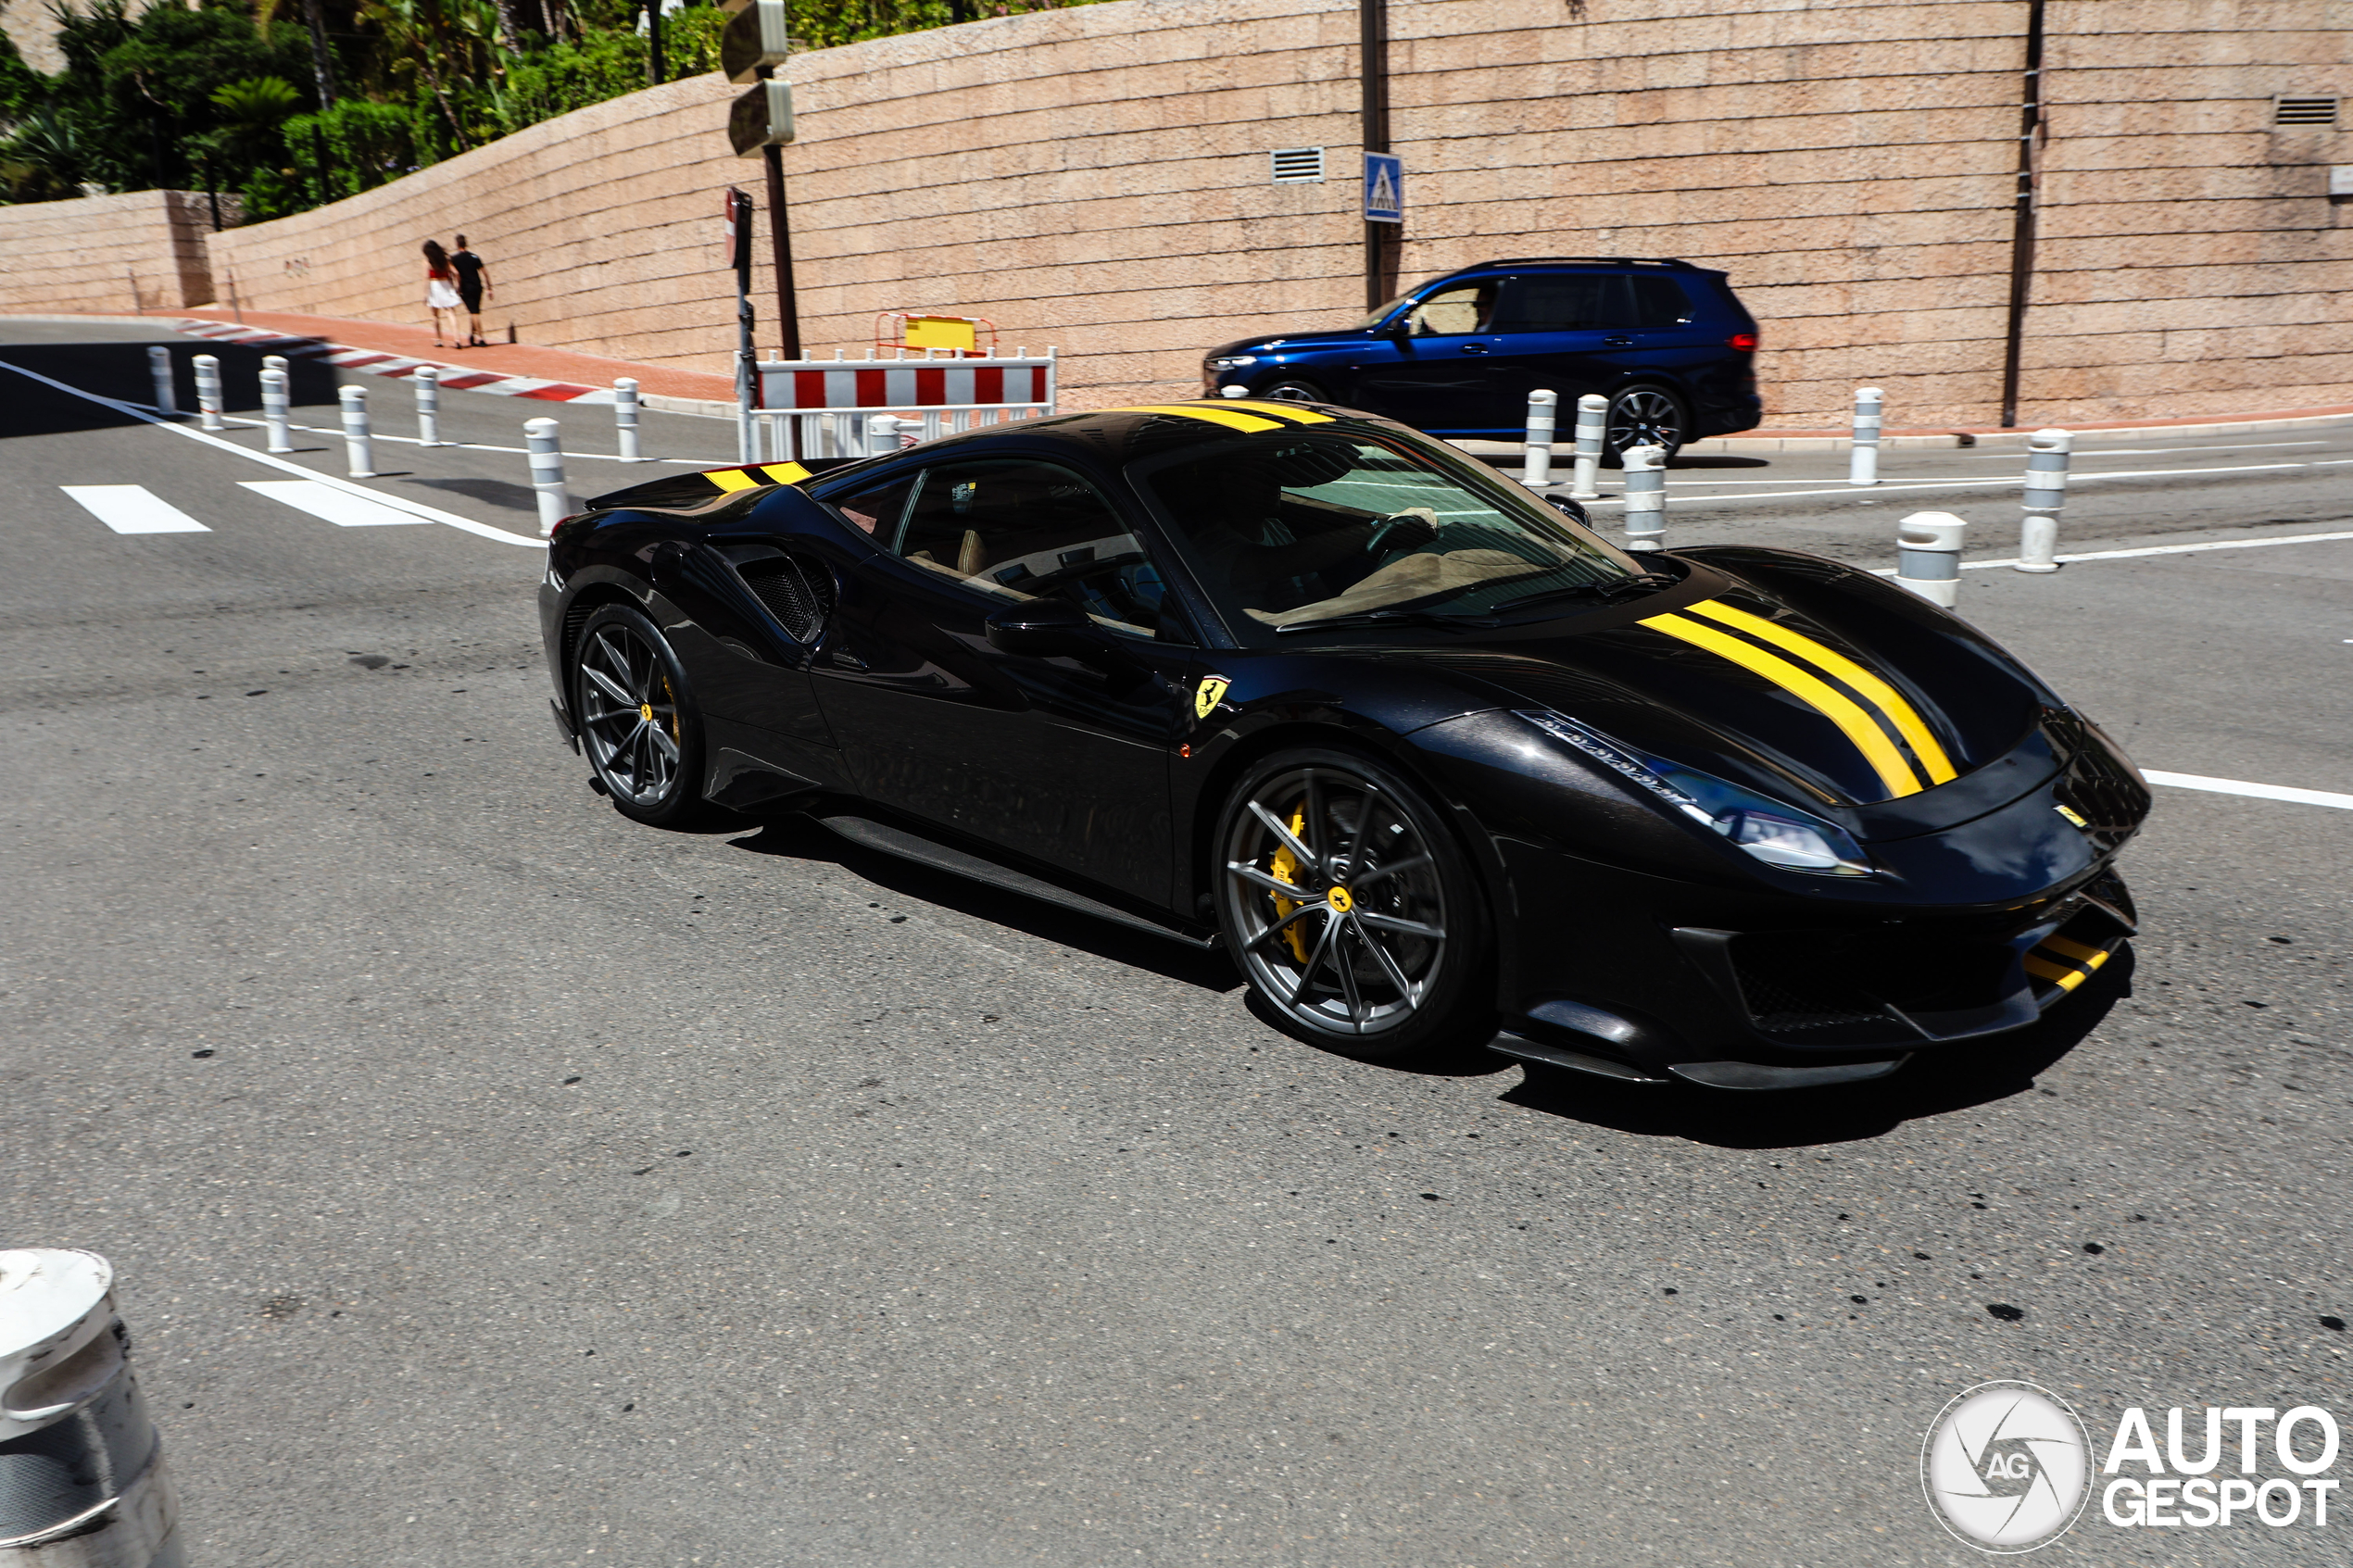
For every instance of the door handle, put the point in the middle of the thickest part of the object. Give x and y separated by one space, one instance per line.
1620 342
1474 348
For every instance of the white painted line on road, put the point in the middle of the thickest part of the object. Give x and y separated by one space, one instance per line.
2258 791
343 510
2011 456
133 508
2155 550
1986 483
400 503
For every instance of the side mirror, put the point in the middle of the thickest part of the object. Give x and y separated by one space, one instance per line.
1047 629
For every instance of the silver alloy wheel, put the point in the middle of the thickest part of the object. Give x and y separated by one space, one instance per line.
1292 392
629 715
1335 903
1644 416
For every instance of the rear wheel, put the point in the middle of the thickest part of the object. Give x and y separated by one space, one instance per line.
1349 907
638 720
1646 416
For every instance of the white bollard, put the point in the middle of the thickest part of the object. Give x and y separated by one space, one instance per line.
1233 392
547 473
2047 459
1592 428
1645 470
208 368
273 411
427 381
1928 556
355 444
159 368
884 433
625 419
273 362
1536 468
87 1486
1870 402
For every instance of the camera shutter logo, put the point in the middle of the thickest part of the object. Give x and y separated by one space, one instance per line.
2007 1467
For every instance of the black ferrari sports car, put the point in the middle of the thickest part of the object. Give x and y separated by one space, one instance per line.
1433 761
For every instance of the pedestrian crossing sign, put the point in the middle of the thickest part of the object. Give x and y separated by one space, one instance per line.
1384 188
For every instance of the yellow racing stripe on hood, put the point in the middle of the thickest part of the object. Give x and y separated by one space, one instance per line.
785 473
1888 701
1859 726
1291 411
1250 424
732 479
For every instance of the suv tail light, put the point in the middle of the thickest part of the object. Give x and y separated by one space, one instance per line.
1746 342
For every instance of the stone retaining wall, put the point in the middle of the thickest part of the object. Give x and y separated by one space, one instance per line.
143 250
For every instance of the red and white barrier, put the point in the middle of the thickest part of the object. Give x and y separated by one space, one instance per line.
827 402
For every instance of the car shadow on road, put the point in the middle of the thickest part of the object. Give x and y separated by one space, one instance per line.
797 838
1935 1083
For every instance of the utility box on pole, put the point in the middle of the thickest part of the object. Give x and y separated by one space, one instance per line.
762 117
755 36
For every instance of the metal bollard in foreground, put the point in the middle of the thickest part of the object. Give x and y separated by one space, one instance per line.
273 411
208 368
82 1475
1863 468
1536 468
1645 468
1928 556
539 438
273 362
625 419
427 381
159 367
2047 459
1593 426
357 447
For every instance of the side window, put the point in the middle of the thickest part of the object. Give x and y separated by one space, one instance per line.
875 511
1565 302
1456 312
1013 528
1660 301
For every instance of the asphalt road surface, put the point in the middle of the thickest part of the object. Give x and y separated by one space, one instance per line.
494 1181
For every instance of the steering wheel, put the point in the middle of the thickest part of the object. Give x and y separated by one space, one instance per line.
1419 521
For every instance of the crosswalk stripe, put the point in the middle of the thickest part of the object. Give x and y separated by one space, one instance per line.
133 508
338 507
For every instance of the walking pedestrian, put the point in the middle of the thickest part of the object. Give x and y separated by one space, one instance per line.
473 287
441 290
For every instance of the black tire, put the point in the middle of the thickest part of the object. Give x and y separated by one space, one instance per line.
1646 416
638 721
1386 958
1290 389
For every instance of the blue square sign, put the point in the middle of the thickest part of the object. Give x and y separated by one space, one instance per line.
1384 188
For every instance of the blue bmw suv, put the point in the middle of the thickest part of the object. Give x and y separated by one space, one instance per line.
1666 342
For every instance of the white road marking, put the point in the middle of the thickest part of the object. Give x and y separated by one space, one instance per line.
343 510
401 503
1862 493
2258 791
133 508
2013 454
2155 550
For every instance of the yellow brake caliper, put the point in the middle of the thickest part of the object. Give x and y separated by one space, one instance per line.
1285 867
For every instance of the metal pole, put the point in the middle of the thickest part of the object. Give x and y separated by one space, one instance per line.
625 419
1536 466
2022 214
547 473
1645 470
273 411
1592 430
1372 20
780 237
1928 556
1863 465
747 376
87 1482
2047 459
208 392
159 367
428 383
356 446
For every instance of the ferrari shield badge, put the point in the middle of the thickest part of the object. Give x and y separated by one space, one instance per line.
1208 695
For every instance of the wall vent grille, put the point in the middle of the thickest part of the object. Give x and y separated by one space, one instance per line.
2287 110
1304 166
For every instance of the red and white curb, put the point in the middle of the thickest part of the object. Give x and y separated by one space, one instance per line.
374 362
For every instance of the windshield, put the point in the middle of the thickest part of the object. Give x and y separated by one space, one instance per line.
1377 317
1298 527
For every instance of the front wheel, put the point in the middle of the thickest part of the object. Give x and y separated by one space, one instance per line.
1349 907
1646 415
637 719
1292 389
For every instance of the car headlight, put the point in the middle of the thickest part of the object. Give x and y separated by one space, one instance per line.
1231 361
1775 833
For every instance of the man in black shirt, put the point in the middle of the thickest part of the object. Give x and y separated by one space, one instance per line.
473 279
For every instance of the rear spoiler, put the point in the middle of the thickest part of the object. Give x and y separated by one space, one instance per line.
686 492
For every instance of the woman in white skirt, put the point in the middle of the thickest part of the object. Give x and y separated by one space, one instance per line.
441 290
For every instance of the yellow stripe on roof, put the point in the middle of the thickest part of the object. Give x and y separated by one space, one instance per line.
732 479
1250 424
1840 709
1889 700
1283 410
785 473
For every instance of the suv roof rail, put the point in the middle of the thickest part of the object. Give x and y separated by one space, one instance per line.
1611 260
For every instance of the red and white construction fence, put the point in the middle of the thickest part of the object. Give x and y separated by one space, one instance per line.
830 402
